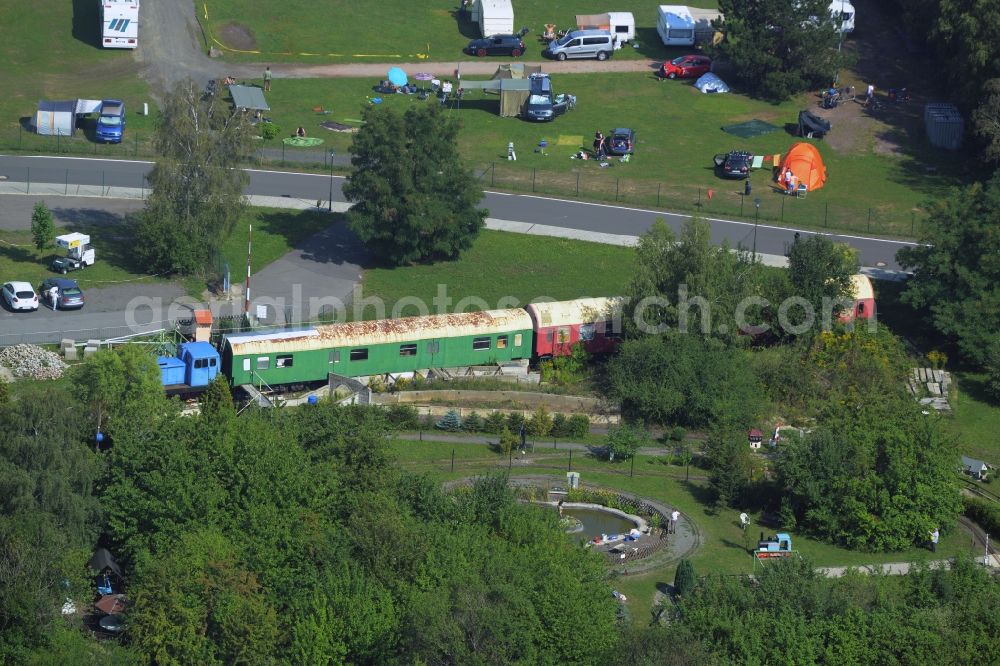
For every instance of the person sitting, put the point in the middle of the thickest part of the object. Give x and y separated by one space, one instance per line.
229 81
446 87
300 132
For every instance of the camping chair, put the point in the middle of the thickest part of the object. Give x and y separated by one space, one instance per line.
801 191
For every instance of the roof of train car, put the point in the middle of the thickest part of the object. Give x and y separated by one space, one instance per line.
381 331
861 286
579 311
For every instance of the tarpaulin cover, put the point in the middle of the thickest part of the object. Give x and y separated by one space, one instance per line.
811 124
248 97
710 83
750 128
805 162
102 560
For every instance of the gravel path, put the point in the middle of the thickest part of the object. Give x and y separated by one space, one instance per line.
175 51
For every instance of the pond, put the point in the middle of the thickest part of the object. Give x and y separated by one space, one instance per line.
596 522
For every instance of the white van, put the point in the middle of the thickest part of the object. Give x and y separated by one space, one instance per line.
598 44
844 13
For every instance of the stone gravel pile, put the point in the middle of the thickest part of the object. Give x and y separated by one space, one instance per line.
32 361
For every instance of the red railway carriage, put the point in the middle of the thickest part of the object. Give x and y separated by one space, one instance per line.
595 322
864 299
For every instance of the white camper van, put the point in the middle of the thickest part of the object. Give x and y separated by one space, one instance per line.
844 13
119 24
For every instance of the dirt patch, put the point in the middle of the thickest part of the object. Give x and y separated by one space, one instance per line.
238 37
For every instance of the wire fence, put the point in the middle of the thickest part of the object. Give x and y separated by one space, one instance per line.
767 204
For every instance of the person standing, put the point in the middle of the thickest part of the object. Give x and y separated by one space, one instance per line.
746 187
935 536
674 517
511 155
267 79
598 143
54 296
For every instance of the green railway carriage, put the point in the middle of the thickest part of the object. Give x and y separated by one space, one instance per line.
365 348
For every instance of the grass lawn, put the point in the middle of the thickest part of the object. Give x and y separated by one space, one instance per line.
723 548
53 53
975 422
393 29
505 270
678 132
276 232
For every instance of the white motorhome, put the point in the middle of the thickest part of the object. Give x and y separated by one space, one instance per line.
119 24
679 25
844 12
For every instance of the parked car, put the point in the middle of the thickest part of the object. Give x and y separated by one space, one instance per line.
542 104
621 141
19 296
506 45
111 121
598 44
686 67
734 164
68 294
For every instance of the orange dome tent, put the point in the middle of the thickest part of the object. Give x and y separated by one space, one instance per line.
807 165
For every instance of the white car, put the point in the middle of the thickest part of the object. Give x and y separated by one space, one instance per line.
19 296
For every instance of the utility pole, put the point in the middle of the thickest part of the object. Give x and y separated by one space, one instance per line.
332 155
246 300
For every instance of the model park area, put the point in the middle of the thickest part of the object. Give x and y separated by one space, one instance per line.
368 418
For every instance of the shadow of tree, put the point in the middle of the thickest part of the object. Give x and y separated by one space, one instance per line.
87 22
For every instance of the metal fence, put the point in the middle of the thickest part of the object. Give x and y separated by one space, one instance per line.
80 335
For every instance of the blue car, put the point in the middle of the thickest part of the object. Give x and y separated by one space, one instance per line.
111 121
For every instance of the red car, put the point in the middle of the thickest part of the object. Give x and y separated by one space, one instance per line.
686 67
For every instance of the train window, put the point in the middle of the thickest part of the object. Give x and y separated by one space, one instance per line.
359 354
335 356
283 361
263 362
587 332
564 336
200 363
407 350
501 342
246 365
517 339
481 344
610 331
433 347
211 363
550 335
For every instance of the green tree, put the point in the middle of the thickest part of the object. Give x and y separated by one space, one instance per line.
687 284
683 379
196 185
451 422
957 267
624 440
43 230
778 48
729 464
508 441
992 371
986 120
684 457
684 578
875 476
122 389
820 272
414 199
540 423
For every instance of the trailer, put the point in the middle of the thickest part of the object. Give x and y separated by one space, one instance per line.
119 24
79 253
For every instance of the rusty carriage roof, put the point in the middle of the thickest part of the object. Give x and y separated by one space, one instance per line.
381 331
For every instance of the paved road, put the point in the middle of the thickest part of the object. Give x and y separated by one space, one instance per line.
523 208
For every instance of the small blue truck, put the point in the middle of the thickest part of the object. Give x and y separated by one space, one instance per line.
111 121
